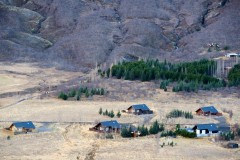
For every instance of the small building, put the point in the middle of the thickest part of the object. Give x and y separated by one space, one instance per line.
232 55
139 109
22 127
232 145
209 110
107 127
203 130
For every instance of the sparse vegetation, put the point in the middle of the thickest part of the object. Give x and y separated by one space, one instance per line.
227 136
179 113
108 113
81 91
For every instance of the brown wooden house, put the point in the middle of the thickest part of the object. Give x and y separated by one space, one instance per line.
209 110
22 127
139 109
107 127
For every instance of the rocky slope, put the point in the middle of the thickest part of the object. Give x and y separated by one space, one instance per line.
79 33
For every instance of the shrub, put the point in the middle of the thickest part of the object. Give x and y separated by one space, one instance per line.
179 113
100 111
226 47
126 132
8 137
119 114
185 133
168 133
109 136
63 96
156 127
227 136
111 114
143 131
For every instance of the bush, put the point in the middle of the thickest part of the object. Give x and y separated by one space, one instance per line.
156 127
227 136
185 133
63 96
100 111
143 131
126 132
8 137
111 114
109 136
168 133
119 114
226 47
179 113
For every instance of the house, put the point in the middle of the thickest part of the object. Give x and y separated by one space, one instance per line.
22 127
139 109
232 55
203 130
209 110
107 126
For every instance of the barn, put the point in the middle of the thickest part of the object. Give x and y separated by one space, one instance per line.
139 109
22 127
203 130
208 110
107 126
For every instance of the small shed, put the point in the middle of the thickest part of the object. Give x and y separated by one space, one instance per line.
139 109
208 110
232 55
22 127
203 130
232 145
107 127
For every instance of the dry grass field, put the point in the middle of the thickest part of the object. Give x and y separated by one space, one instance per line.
27 92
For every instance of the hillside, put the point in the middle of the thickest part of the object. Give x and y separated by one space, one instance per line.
71 34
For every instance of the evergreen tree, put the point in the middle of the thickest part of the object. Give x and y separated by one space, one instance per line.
119 114
100 111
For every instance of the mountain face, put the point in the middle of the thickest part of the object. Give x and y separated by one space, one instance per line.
81 33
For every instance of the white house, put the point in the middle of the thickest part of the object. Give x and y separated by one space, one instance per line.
203 130
232 55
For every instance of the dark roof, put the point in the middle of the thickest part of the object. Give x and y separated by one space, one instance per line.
27 125
142 107
209 127
210 109
113 124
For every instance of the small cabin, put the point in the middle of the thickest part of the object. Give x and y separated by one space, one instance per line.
209 110
232 55
204 130
139 109
107 127
22 127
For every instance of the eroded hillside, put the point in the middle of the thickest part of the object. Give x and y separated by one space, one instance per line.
81 33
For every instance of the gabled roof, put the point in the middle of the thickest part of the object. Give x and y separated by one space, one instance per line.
27 125
142 107
113 124
210 109
209 127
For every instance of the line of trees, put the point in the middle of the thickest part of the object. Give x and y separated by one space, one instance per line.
109 113
80 92
190 76
179 113
155 128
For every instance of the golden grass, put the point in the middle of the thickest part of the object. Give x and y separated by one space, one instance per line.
75 141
